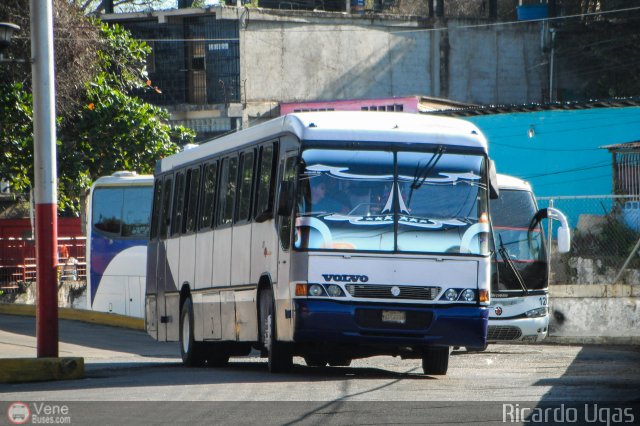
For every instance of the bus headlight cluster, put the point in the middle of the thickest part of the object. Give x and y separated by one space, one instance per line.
459 294
538 312
319 290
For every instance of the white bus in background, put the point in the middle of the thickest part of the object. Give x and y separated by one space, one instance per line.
247 250
117 234
520 288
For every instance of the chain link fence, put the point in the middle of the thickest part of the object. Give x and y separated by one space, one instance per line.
605 240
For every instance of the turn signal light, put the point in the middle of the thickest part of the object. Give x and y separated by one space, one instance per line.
483 296
301 289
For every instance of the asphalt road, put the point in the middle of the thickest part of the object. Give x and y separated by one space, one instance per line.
141 381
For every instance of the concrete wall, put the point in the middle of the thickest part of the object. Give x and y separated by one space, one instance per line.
325 56
500 64
595 314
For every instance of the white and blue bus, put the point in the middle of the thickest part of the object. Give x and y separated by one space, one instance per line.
117 234
520 291
330 236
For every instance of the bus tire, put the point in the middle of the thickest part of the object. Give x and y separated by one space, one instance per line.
435 360
477 348
280 358
192 352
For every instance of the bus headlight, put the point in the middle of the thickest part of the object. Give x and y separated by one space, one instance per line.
536 313
468 295
316 290
451 295
334 290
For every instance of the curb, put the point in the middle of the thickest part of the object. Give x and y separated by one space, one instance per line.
21 370
93 317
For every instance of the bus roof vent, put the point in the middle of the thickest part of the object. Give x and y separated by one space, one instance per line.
124 173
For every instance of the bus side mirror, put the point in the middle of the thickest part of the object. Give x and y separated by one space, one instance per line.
494 191
564 240
564 234
285 198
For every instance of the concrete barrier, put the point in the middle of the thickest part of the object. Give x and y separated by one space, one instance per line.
595 313
20 370
93 317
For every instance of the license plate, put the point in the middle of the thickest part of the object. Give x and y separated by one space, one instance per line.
396 317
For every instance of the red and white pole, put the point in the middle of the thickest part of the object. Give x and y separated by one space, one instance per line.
46 196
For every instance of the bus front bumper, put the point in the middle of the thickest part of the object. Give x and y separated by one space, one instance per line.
529 330
382 324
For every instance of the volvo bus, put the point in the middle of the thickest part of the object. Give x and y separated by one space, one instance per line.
520 293
329 236
117 233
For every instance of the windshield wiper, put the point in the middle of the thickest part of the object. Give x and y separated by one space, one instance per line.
505 255
421 174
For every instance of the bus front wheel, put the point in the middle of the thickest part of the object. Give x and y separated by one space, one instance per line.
435 360
192 352
279 354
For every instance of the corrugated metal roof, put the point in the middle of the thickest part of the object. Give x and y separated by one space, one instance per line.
533 107
629 146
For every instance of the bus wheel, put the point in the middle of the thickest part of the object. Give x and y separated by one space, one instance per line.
192 352
435 360
279 353
217 355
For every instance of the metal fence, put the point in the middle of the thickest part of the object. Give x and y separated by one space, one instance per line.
605 240
18 262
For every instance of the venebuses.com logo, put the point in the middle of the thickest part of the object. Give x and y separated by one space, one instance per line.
20 413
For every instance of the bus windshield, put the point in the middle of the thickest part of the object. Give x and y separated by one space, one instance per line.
511 215
418 202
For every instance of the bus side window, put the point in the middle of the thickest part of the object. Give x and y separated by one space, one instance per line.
245 185
227 190
208 196
155 213
289 174
266 183
192 201
178 204
166 203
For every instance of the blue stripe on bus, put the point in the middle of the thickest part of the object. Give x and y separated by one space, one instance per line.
103 251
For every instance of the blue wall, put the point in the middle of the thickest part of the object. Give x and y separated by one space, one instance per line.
564 156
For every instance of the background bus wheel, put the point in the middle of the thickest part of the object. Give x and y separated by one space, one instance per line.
192 352
435 360
278 353
217 355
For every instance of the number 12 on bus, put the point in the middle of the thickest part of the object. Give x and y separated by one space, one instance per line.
330 236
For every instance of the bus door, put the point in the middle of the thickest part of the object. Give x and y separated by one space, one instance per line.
162 269
281 288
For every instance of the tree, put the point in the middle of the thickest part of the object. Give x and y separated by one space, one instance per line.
101 126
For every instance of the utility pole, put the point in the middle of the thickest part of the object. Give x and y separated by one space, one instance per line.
44 140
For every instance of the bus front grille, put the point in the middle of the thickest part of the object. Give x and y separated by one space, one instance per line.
504 332
373 291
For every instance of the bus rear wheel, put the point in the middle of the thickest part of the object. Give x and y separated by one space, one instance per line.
192 352
435 360
278 353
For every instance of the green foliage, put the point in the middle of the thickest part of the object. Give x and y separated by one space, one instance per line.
16 136
112 130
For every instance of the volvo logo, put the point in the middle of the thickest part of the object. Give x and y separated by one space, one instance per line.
344 278
395 291
498 310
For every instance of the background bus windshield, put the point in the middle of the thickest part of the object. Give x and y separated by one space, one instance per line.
511 215
355 200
